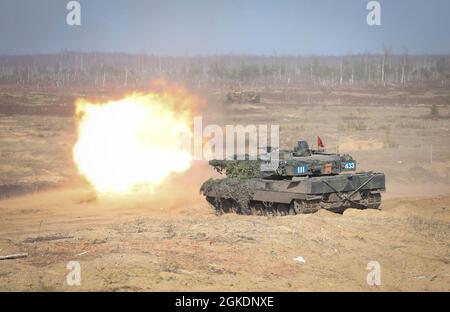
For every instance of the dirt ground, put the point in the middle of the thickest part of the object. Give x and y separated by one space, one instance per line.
171 240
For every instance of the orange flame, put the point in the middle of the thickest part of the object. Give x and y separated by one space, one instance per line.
134 142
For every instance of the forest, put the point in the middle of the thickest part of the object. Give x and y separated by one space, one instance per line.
105 70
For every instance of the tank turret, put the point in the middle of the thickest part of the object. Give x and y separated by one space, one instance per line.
300 161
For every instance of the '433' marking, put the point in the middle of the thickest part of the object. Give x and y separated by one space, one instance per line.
349 165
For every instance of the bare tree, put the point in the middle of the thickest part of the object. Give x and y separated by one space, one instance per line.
386 52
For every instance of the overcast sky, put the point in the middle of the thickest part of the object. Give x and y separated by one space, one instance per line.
201 27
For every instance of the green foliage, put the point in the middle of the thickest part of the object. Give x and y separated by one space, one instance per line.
243 169
241 191
240 169
434 110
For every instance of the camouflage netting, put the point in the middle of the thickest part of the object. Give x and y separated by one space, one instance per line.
238 190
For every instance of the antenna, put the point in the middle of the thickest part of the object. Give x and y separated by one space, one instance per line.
337 142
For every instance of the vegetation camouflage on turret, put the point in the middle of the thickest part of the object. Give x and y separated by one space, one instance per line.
239 169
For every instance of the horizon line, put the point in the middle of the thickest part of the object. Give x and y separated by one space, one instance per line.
220 54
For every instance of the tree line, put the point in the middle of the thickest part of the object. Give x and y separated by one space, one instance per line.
94 69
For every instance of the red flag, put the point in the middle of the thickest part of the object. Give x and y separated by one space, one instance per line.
320 143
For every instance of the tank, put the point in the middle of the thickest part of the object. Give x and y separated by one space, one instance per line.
241 97
301 180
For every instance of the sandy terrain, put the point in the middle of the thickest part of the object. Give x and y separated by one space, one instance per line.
139 245
173 241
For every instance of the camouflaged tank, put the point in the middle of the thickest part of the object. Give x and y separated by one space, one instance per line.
295 181
241 97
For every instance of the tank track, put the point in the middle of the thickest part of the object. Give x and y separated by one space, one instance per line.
226 205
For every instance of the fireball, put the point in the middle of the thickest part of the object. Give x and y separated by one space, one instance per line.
133 143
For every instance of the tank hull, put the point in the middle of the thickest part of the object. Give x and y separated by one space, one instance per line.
296 195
